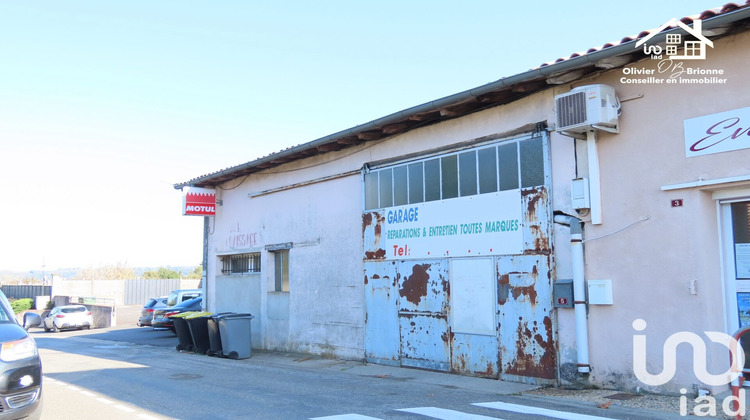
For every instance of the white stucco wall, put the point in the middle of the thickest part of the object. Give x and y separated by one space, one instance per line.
653 264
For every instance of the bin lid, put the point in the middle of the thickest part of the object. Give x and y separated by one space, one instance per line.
183 314
238 316
199 315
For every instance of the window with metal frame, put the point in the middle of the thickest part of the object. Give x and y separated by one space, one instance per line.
281 272
240 263
503 166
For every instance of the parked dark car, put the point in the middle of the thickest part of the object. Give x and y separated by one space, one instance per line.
20 365
161 316
147 313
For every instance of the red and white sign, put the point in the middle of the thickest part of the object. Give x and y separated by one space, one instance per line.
199 202
716 133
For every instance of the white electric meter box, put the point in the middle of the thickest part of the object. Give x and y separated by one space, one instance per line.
600 292
579 193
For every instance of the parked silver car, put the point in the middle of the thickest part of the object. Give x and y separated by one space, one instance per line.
147 313
68 317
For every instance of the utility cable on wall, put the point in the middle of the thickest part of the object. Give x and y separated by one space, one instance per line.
642 219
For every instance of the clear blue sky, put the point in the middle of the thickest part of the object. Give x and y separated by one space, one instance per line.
105 104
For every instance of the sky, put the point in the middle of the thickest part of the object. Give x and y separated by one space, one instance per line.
104 106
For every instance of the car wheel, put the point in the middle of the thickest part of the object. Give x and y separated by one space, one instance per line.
45 327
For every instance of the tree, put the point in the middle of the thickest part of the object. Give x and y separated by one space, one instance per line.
119 271
161 273
197 273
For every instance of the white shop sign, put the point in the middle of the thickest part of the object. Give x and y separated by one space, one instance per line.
485 224
716 133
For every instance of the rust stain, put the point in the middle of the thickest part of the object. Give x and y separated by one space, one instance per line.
489 372
415 286
378 232
503 289
541 242
536 193
375 255
446 287
459 364
535 351
529 291
366 279
366 221
447 337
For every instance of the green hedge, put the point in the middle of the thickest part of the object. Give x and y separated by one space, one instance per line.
21 305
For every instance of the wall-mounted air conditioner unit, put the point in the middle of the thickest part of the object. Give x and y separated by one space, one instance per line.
587 108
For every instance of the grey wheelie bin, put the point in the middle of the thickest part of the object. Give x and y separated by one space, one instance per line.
234 330
214 337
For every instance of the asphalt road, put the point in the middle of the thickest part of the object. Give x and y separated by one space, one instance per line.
127 372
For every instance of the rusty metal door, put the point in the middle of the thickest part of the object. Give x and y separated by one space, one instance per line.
412 319
424 290
382 339
474 341
528 349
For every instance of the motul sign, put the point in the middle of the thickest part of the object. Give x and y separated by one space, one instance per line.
199 202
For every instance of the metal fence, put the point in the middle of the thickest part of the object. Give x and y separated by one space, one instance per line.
137 292
23 291
122 292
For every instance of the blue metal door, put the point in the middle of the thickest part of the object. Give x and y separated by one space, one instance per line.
423 314
382 339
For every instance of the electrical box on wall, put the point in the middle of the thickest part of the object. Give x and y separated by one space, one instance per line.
579 193
562 293
600 292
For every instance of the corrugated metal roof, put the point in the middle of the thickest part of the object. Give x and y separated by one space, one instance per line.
717 22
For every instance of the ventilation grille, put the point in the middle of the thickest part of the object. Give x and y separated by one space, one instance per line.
571 110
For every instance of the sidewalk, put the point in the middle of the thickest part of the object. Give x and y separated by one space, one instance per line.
608 402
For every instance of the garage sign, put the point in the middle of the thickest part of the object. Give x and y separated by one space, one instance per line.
486 224
199 202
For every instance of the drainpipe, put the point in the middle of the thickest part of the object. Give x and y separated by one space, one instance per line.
579 289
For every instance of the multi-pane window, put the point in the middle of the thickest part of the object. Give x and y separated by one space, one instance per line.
240 263
506 166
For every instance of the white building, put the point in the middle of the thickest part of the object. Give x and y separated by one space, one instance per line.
429 237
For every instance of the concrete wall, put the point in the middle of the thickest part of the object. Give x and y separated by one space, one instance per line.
104 316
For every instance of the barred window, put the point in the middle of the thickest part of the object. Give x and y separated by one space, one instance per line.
240 263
